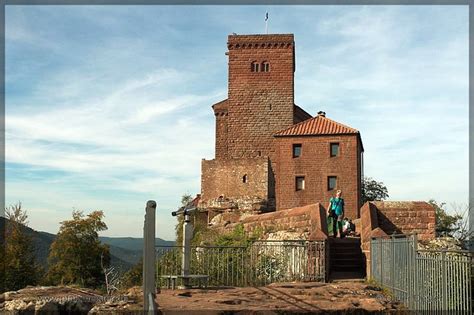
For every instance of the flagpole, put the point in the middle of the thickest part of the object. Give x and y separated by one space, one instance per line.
266 23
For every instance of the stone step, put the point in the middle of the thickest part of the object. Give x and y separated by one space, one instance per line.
346 258
356 264
346 254
344 245
347 268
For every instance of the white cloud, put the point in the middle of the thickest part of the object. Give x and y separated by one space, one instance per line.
125 120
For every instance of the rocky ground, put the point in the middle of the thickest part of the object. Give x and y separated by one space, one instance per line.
439 243
64 300
288 298
282 298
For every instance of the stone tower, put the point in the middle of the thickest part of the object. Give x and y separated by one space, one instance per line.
260 103
260 96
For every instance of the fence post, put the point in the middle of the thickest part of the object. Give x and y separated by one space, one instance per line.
444 281
381 262
149 287
186 257
415 285
392 264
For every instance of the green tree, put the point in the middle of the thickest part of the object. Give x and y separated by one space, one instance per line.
373 190
134 276
21 268
446 224
77 255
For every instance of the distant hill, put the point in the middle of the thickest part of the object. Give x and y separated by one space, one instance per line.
125 251
132 243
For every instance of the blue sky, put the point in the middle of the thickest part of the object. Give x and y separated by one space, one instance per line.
109 106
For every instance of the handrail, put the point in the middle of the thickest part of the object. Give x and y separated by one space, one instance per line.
253 242
394 236
441 250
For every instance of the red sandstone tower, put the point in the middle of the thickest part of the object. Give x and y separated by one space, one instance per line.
260 104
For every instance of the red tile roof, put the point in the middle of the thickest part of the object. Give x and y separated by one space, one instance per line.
319 125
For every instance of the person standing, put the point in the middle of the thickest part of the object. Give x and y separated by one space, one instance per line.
336 211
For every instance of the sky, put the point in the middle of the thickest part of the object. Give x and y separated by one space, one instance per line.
110 106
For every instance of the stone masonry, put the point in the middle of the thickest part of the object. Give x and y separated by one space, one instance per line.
260 104
316 164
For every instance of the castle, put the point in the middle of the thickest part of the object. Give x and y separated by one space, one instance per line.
270 154
276 166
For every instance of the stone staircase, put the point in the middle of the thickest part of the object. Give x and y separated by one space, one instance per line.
346 259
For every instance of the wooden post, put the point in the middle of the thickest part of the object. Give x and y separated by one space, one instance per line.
149 287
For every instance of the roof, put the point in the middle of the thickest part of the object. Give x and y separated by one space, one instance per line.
220 106
319 125
300 114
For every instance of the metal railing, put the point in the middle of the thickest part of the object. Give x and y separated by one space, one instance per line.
260 263
434 281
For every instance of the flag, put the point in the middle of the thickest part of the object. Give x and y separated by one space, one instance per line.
266 16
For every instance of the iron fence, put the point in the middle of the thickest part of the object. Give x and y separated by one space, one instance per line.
432 281
260 263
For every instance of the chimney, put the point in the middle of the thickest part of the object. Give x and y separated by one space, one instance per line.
321 113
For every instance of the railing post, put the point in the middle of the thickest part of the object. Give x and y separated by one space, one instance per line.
392 264
416 289
149 286
186 257
381 261
444 281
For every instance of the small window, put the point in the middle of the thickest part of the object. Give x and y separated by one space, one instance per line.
296 150
299 183
265 67
244 179
332 182
254 67
334 149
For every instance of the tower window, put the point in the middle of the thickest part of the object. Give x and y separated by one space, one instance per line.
334 149
244 179
255 66
296 150
332 182
299 183
265 66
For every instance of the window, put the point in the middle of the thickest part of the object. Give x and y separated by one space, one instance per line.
260 67
244 179
299 183
334 149
254 67
332 182
296 150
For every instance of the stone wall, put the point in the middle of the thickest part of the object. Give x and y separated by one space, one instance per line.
239 179
221 113
383 218
309 222
403 217
316 164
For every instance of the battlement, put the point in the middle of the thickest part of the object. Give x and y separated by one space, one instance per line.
260 41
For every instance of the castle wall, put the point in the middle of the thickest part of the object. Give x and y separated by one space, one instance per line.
225 177
309 220
404 217
221 113
315 164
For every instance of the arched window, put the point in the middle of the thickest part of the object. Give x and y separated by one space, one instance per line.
265 66
244 179
254 67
